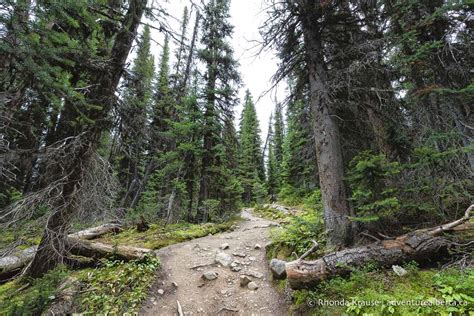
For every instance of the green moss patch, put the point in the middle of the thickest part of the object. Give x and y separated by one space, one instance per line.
30 297
159 236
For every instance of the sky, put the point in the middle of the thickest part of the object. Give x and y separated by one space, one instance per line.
256 68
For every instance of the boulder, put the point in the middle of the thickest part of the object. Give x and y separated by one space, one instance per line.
278 268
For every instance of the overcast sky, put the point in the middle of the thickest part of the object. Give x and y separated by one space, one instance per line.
256 70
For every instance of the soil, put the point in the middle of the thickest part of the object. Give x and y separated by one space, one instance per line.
184 264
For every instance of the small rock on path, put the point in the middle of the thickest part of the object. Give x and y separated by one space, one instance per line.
223 295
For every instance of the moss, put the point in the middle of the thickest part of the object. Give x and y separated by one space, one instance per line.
159 236
271 213
24 234
30 297
380 288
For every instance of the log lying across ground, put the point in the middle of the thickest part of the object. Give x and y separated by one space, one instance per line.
80 245
87 248
95 232
421 246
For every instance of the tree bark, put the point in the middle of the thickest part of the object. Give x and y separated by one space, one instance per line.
52 246
97 250
327 137
421 245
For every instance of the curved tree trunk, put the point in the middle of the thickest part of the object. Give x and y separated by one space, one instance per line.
52 247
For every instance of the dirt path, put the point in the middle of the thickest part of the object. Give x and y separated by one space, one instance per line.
224 295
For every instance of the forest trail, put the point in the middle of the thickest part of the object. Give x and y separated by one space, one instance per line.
223 295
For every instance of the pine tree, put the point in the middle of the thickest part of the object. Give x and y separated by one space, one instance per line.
251 168
80 130
272 180
219 99
278 136
162 141
135 104
299 171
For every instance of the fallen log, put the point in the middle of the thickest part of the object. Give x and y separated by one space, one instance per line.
97 250
95 232
12 264
421 246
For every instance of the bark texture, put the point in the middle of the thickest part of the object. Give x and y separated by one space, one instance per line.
422 246
326 131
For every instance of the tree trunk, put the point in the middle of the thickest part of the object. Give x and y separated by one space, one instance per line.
421 246
52 246
327 137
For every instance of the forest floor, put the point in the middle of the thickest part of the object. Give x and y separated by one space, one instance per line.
184 265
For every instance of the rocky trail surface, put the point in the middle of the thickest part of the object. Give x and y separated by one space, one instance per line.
222 274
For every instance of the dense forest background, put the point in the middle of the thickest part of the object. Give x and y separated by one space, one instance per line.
377 124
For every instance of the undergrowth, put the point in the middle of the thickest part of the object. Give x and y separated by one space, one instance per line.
382 292
298 231
116 287
30 297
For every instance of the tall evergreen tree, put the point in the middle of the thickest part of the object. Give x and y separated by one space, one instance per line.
279 132
135 104
272 173
299 169
251 159
220 96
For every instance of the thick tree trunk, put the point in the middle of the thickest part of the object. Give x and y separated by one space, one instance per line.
327 137
421 246
52 246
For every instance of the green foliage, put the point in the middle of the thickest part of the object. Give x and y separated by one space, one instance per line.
298 173
251 170
301 228
116 287
368 177
30 297
384 190
373 292
298 234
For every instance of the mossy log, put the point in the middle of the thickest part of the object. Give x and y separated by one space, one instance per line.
422 246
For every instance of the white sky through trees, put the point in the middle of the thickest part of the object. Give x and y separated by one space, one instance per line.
255 68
